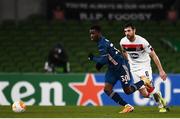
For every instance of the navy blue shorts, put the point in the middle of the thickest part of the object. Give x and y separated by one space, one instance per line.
122 74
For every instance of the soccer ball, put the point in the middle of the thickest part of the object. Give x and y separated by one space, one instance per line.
18 106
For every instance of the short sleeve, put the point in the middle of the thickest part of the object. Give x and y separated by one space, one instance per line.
147 47
120 42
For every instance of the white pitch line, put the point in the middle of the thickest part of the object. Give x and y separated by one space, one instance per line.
176 90
119 90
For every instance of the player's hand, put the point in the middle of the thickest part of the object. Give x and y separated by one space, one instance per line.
163 75
99 66
90 56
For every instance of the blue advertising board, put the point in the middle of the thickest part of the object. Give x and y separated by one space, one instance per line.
170 90
77 89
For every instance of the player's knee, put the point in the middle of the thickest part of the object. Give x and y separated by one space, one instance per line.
144 92
145 95
128 90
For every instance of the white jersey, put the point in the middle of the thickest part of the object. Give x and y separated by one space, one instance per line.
138 52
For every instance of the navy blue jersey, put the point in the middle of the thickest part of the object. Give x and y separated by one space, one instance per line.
109 55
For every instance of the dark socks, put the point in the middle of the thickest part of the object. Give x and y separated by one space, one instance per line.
136 86
116 97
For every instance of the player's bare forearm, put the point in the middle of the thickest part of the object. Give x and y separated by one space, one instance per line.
125 55
156 60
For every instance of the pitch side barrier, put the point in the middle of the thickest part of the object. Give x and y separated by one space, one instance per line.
76 89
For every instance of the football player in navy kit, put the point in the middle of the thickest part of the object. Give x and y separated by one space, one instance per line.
118 68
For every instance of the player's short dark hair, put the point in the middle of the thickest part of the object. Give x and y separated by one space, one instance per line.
96 27
129 25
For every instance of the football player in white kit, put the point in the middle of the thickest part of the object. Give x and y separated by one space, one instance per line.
138 51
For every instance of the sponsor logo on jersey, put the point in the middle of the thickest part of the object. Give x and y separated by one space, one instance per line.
134 55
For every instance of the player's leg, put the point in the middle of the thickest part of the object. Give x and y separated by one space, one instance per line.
66 67
53 67
156 93
131 88
125 78
136 78
144 92
147 74
144 74
108 89
162 104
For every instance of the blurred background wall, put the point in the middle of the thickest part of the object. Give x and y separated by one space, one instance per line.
21 9
29 28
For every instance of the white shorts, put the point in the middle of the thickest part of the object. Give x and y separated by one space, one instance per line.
145 71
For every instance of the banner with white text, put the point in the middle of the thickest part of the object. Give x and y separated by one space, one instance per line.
76 89
119 10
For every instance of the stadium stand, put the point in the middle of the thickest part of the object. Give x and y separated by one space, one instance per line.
24 46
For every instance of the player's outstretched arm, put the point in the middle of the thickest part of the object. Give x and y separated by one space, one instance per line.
90 56
99 66
156 60
102 59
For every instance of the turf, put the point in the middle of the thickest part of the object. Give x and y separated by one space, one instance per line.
87 112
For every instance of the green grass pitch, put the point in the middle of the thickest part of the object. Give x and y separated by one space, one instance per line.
87 112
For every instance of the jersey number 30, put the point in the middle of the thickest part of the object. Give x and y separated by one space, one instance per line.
125 78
